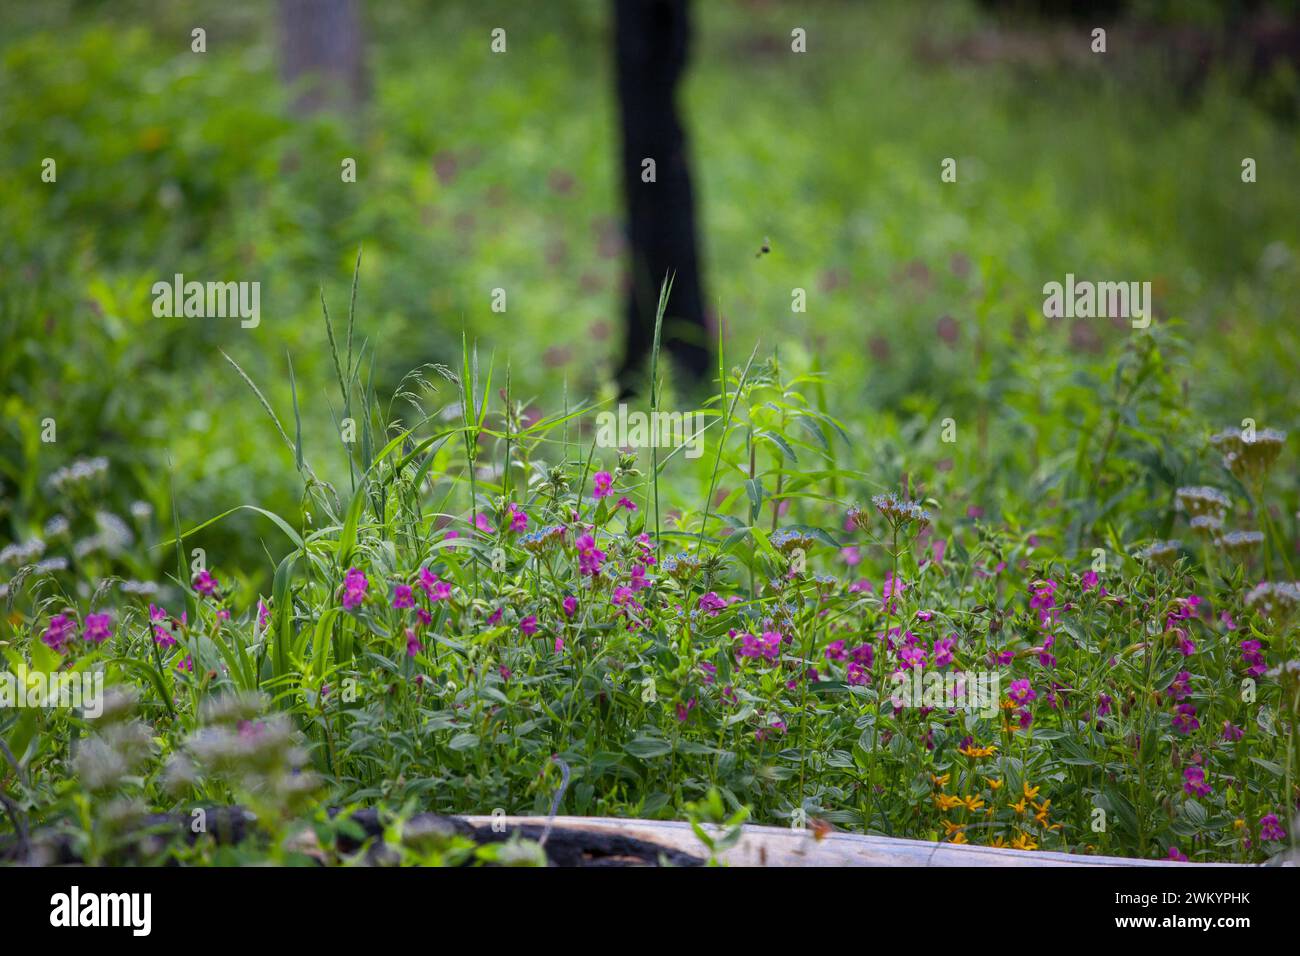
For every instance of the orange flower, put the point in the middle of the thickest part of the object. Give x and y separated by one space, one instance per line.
946 802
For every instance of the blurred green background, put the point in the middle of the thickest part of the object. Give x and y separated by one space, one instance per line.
478 171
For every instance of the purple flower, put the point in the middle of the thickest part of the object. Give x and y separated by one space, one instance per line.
403 597
911 656
590 557
355 583
518 519
1021 692
413 645
943 650
767 647
711 604
435 589
205 583
59 631
1250 654
863 655
1194 782
684 710
1185 720
529 625
1270 828
186 666
1176 855
1089 580
1232 732
263 614
626 503
856 674
835 651
98 628
570 606
602 484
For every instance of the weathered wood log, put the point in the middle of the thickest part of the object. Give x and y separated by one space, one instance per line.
780 846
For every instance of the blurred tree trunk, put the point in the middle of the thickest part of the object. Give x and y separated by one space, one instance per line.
321 49
651 40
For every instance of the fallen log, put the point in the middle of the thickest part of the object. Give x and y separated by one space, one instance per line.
781 846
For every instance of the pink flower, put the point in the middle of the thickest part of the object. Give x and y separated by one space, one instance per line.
570 606
355 583
1089 580
518 519
1185 721
626 503
1231 732
1270 828
481 522
98 628
529 625
1021 692
263 614
413 645
435 589
59 631
602 485
186 666
835 651
402 597
590 557
1194 782
205 583
711 604
1176 855
559 645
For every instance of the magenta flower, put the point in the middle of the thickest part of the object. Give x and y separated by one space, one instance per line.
1232 732
1250 654
684 710
856 674
186 666
1270 828
711 604
1194 782
413 645
626 503
863 655
590 557
911 656
435 589
494 618
403 597
1021 692
943 650
1185 720
559 645
767 647
263 614
602 484
205 583
529 625
1089 580
835 651
1176 855
1044 601
355 583
59 631
98 628
518 519
481 522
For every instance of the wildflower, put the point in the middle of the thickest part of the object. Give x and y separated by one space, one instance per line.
768 646
1021 691
1103 704
205 584
851 556
856 675
570 606
434 589
857 518
186 666
972 751
1241 544
637 580
1023 842
1204 501
601 484
402 597
355 583
863 655
972 803
1044 600
946 802
424 617
1231 732
1250 654
559 645
98 628
1089 580
529 625
1270 828
1180 687
1176 855
494 618
943 650
1160 552
481 522
911 657
1274 599
627 503
413 645
59 631
1194 782
518 519
900 512
940 782
711 604
590 558
684 710
1185 720
1249 459
834 651
263 614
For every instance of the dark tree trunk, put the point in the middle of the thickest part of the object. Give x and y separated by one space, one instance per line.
321 48
651 38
